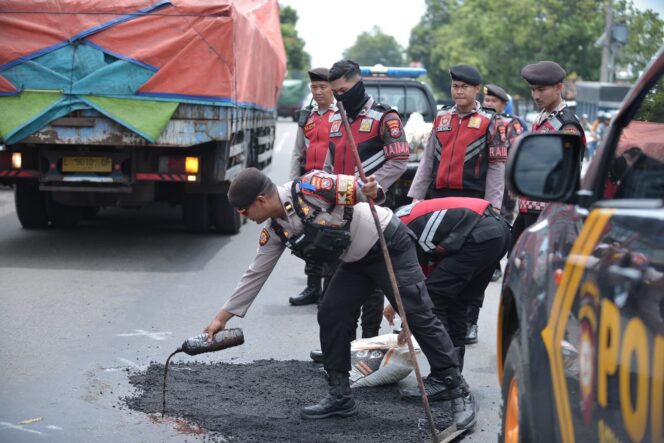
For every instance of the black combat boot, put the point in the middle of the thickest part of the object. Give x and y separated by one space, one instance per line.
439 386
339 401
465 410
472 315
310 294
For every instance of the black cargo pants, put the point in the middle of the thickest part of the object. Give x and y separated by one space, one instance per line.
461 278
353 283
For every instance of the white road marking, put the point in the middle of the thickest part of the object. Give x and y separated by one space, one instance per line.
7 425
153 335
53 427
132 364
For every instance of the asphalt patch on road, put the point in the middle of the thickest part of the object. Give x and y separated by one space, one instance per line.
261 401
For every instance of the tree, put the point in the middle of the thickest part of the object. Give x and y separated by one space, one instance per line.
299 60
646 36
375 47
500 38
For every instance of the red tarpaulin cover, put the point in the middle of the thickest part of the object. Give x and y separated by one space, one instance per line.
220 50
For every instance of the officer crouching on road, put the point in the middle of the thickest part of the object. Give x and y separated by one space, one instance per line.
325 216
459 242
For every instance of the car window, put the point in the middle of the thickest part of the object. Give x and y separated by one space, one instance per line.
406 100
637 170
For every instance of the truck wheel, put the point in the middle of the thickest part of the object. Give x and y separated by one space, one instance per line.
30 206
62 216
195 213
225 218
514 406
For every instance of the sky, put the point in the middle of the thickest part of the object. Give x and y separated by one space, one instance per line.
328 32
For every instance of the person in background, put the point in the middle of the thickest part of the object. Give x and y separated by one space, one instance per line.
309 153
546 85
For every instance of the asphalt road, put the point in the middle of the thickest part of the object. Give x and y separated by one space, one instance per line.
83 308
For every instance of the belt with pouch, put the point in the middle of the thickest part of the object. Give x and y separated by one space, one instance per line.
388 233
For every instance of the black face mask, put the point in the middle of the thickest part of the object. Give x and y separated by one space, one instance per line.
353 99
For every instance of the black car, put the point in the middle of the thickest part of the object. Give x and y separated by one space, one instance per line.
581 317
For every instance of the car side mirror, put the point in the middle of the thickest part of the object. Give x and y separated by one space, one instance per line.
545 166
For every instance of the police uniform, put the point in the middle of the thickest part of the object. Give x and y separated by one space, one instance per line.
309 153
459 239
383 150
380 140
465 155
560 119
509 128
323 201
312 141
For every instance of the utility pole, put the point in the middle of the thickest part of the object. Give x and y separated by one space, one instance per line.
606 72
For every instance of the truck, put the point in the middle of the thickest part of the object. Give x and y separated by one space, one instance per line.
581 316
131 102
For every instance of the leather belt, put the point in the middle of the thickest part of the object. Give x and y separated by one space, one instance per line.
388 233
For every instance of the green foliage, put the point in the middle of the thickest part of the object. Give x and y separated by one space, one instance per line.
375 47
299 60
652 107
500 38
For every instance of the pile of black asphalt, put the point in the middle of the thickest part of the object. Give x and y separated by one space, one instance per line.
261 401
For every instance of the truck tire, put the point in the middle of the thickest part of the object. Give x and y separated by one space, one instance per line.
196 213
62 216
225 218
514 408
30 206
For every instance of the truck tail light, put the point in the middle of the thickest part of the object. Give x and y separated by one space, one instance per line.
17 160
191 165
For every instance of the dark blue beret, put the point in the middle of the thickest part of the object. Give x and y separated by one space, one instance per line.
496 91
545 73
466 74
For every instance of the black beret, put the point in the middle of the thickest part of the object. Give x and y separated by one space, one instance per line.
246 186
496 91
466 74
319 75
544 73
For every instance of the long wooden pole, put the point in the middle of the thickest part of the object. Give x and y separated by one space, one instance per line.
393 279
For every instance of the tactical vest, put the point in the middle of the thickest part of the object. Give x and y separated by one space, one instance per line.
318 242
316 139
461 157
367 137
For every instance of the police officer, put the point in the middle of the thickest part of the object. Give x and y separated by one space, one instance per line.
325 216
459 242
465 154
546 85
509 128
382 146
309 153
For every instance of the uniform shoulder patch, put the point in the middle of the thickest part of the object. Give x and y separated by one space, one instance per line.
264 237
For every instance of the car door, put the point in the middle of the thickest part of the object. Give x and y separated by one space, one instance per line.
605 335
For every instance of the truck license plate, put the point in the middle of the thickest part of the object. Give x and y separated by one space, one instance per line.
86 164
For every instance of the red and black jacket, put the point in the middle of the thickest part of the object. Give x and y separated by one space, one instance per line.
464 146
316 132
379 137
442 225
